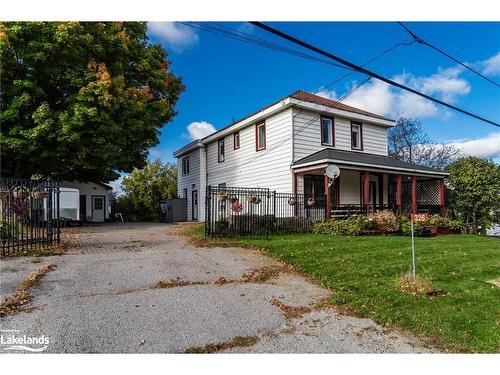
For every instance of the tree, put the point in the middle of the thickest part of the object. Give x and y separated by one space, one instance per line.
144 188
81 100
474 191
408 142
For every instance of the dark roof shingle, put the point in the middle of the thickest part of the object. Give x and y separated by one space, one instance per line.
311 98
363 158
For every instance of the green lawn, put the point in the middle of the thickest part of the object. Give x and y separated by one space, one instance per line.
363 270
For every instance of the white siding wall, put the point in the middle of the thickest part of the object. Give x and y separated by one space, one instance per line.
308 135
187 181
88 189
245 167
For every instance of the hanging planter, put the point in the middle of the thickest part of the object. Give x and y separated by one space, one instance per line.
257 200
292 201
233 199
251 198
39 194
222 196
311 202
20 192
237 206
19 206
4 194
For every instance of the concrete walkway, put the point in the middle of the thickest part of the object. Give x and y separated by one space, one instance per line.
101 299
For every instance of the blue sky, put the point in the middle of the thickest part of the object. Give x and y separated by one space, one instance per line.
228 79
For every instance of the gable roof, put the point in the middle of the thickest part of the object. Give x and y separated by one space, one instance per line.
316 99
299 95
363 159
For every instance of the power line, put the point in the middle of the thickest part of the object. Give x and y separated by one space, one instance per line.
243 37
367 72
422 41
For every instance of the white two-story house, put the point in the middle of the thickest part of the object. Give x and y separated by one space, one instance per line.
287 146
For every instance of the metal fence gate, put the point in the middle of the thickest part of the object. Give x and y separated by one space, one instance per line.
29 215
232 211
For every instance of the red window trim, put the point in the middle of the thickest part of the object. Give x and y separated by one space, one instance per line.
236 134
332 122
360 136
257 136
218 150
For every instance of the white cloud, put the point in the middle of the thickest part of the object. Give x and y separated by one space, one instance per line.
117 185
490 66
381 98
200 129
487 147
178 36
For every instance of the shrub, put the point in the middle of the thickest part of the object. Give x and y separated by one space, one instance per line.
404 224
444 222
354 226
385 221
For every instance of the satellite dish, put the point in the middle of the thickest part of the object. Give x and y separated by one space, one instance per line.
332 171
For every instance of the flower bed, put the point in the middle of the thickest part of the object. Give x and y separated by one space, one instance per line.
385 223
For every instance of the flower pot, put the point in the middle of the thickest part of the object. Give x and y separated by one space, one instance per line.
221 197
233 199
443 230
311 202
39 194
257 200
20 193
251 198
292 201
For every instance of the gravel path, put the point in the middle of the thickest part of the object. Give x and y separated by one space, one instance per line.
101 299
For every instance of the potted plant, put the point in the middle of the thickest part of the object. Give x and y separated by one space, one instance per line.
233 199
222 196
19 192
292 201
39 194
4 193
311 202
257 200
251 198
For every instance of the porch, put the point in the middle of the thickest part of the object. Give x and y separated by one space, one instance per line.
369 183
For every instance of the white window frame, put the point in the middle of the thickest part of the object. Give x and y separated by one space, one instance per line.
330 131
258 146
359 136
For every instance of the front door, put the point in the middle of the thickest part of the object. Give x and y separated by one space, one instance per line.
98 208
194 204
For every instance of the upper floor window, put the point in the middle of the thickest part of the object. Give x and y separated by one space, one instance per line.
327 134
260 135
185 165
356 136
221 150
236 140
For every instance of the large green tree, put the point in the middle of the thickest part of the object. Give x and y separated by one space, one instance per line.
81 101
144 188
475 191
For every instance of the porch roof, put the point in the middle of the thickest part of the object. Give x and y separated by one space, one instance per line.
360 159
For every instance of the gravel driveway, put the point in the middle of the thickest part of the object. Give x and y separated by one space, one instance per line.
101 299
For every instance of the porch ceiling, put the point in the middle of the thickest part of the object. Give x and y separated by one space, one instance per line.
363 161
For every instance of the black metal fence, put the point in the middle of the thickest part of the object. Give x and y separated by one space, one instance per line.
29 215
231 211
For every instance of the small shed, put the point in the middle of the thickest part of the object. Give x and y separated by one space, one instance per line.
173 210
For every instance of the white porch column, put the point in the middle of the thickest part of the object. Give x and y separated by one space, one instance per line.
202 193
